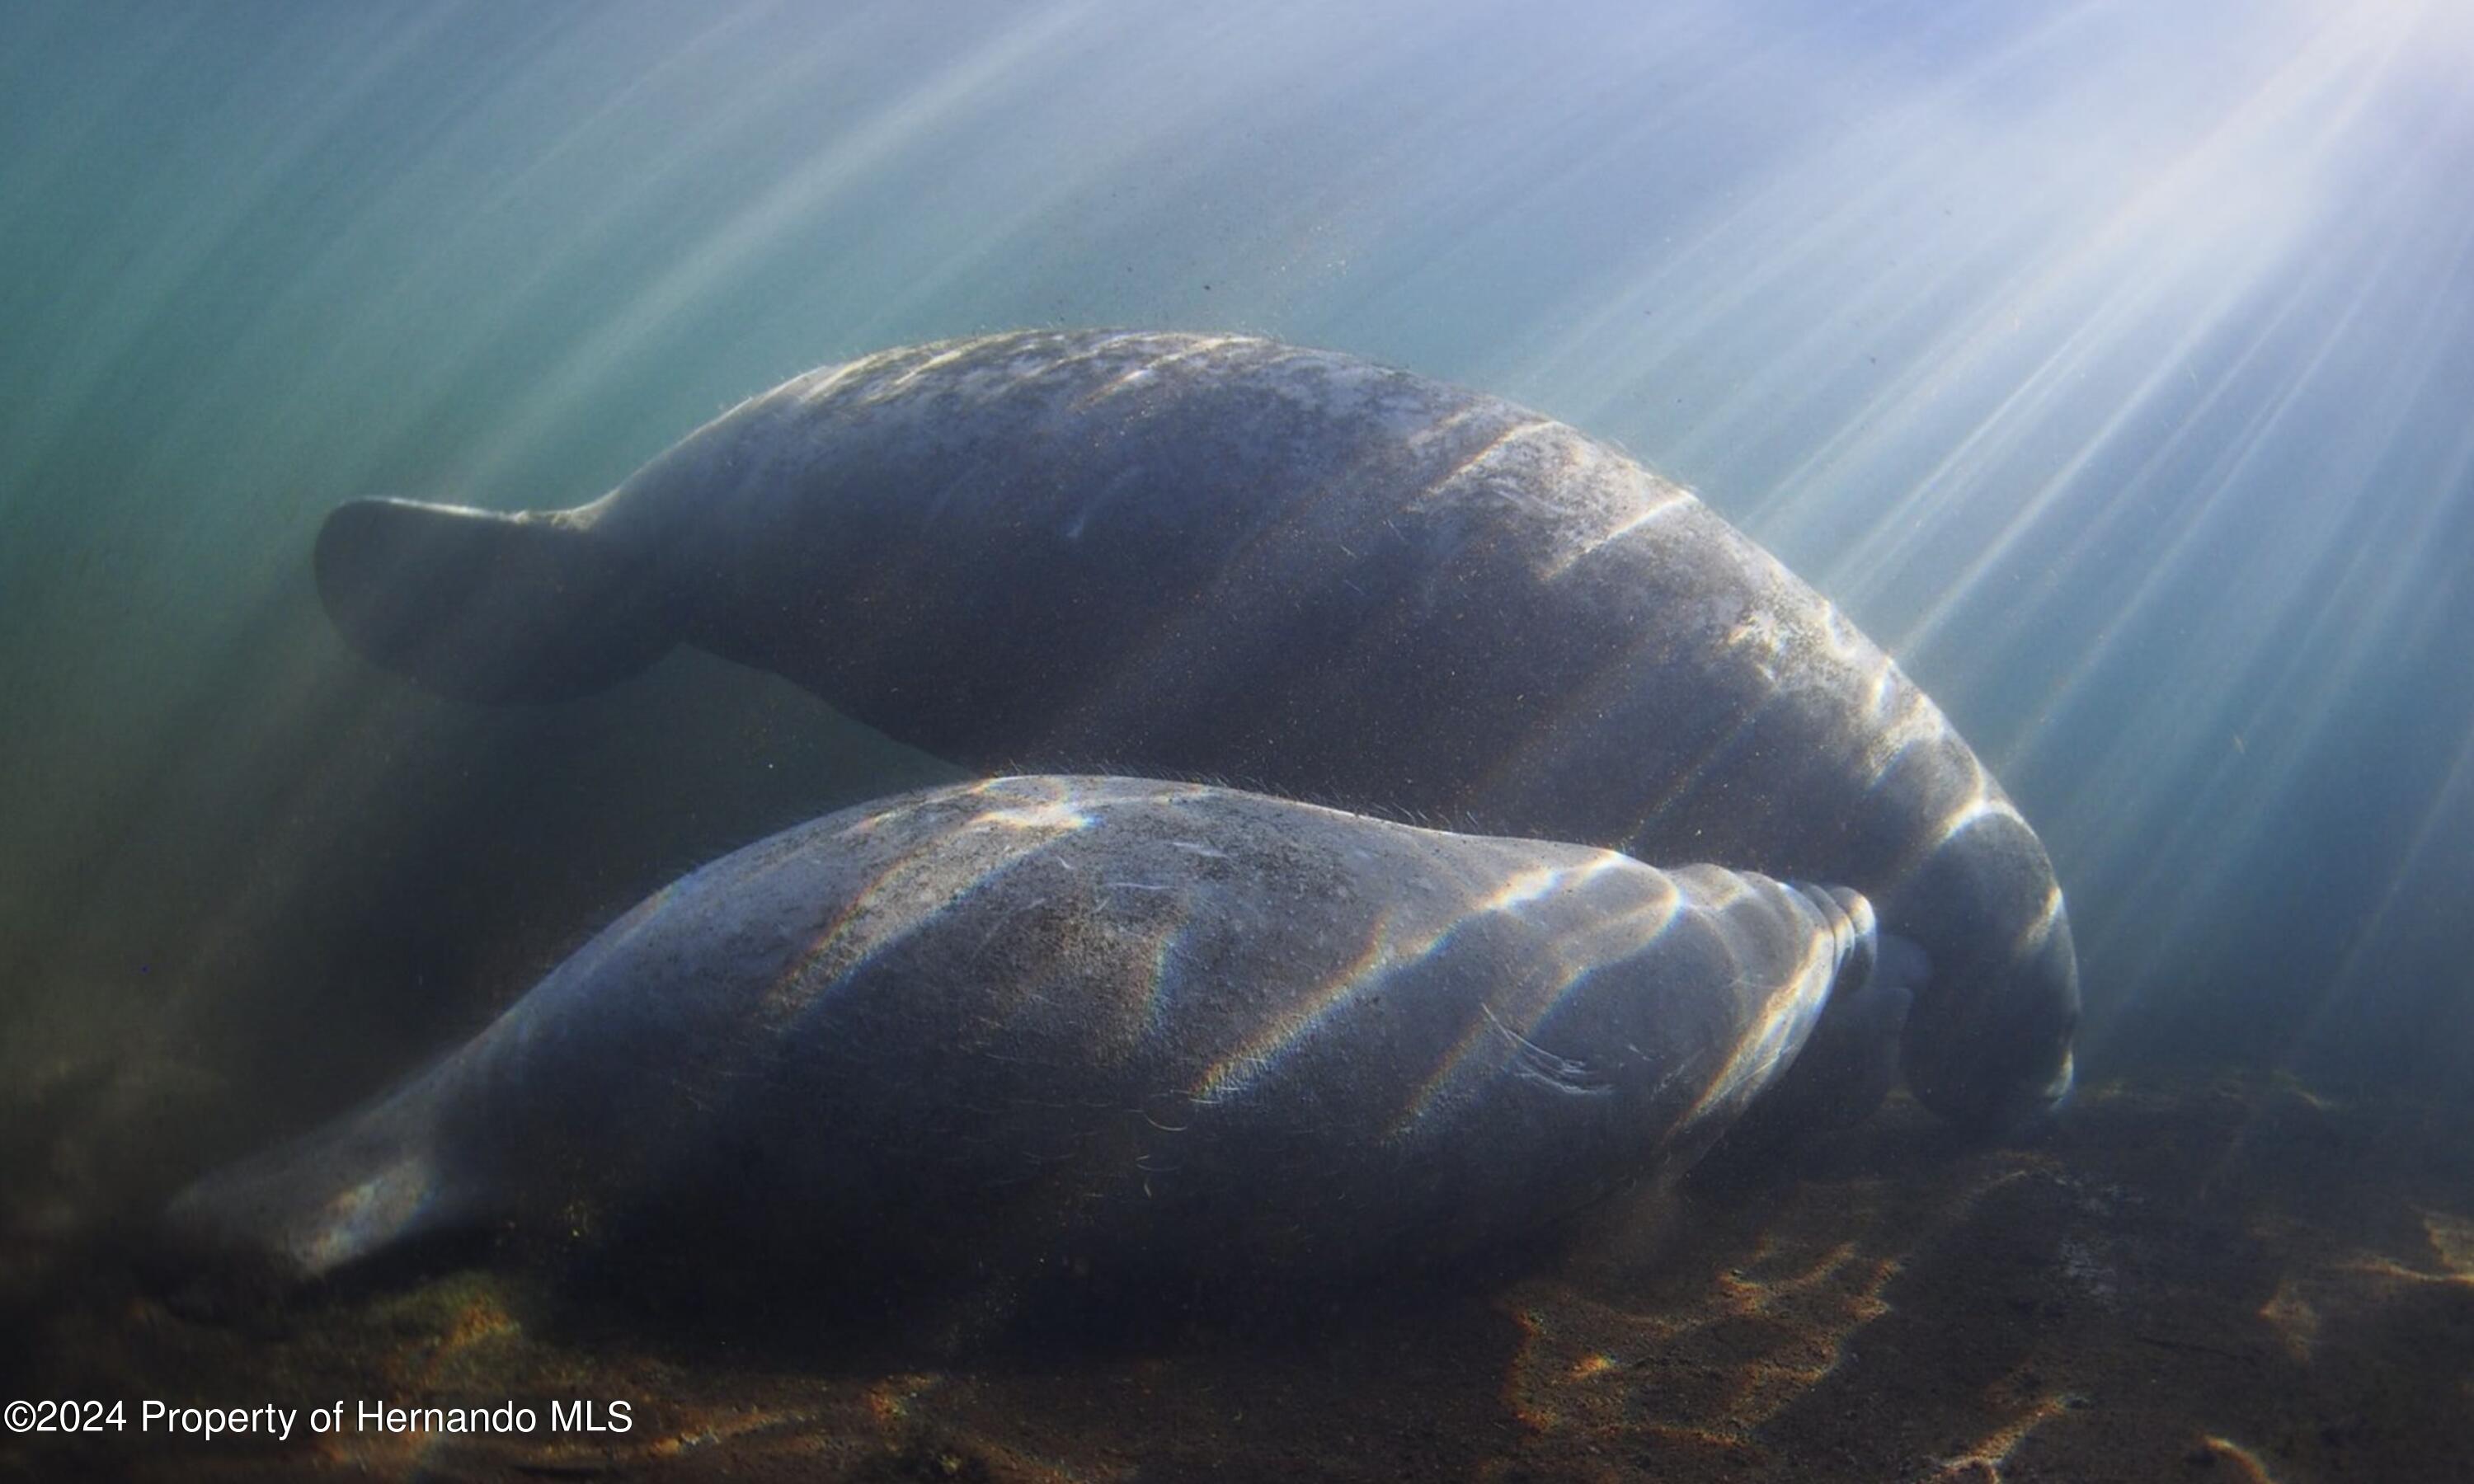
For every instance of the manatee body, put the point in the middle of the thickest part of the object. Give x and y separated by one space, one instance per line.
1226 556
1045 1025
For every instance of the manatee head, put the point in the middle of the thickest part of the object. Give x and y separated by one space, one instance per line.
1988 1044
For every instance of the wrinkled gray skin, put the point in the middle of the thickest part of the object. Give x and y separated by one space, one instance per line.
1226 556
1040 1025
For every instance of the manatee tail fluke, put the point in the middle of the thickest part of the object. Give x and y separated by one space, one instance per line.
485 607
343 1200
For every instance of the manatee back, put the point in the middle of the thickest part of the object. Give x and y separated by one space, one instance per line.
1206 1032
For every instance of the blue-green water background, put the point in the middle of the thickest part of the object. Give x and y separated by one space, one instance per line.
2110 362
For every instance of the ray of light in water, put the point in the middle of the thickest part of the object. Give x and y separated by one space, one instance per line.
2101 457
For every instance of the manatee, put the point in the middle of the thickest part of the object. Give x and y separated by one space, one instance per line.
1227 558
1131 1032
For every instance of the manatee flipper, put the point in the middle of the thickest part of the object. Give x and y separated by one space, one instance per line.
1857 1039
486 606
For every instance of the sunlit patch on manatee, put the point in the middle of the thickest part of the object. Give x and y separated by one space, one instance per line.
918 1039
1220 555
